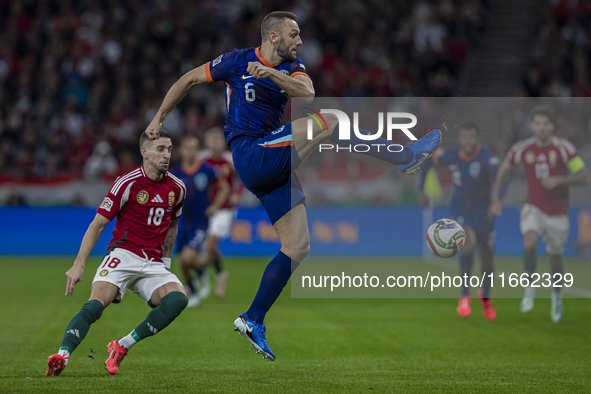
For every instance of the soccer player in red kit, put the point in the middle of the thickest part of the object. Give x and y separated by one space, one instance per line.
220 223
551 165
147 202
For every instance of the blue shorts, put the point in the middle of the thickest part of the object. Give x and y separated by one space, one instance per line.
485 230
193 238
266 166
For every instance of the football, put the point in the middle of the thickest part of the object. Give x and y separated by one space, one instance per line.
446 238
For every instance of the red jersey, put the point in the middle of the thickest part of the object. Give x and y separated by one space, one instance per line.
541 162
144 209
221 164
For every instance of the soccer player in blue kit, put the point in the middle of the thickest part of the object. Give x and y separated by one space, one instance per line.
198 178
259 82
473 169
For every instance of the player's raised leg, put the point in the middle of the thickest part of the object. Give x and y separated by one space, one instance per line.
292 229
407 158
464 308
103 293
530 242
168 301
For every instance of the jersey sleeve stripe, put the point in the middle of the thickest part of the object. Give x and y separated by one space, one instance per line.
122 180
118 188
208 72
568 146
299 73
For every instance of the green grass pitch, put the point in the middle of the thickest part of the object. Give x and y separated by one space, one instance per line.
322 345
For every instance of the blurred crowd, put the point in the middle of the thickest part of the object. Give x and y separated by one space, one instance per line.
561 54
80 80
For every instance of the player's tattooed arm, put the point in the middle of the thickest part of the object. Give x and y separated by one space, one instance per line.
298 86
495 208
74 274
168 245
175 95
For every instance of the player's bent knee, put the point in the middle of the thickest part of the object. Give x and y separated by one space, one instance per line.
300 251
173 303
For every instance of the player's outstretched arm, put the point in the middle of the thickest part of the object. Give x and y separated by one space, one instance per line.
298 86
496 207
175 95
74 274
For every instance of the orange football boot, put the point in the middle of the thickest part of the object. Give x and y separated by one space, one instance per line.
116 355
464 308
488 309
55 365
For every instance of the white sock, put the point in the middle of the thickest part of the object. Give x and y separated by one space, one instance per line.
65 354
128 341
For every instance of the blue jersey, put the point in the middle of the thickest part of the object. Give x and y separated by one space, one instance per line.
473 177
253 106
197 181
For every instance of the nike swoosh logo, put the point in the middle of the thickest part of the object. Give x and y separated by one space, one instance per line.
246 76
425 156
249 329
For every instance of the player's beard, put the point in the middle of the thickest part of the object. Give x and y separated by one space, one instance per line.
284 52
161 168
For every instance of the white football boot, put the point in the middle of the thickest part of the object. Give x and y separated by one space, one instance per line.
556 308
527 303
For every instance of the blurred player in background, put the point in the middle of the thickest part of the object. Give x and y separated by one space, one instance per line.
147 202
551 165
220 224
473 168
266 155
198 178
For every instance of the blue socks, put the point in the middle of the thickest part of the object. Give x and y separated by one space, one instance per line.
394 155
466 261
274 279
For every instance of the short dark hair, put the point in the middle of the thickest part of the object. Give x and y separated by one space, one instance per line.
542 109
144 139
275 22
470 125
